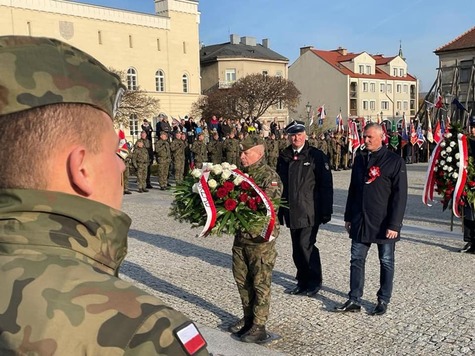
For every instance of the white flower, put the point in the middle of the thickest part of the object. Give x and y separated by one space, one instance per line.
443 153
452 144
194 188
226 174
443 144
196 173
217 169
457 156
449 149
442 162
448 135
238 180
449 159
232 166
458 164
212 183
225 165
450 169
445 168
455 175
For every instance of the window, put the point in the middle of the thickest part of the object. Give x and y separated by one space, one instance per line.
384 105
230 75
398 105
382 86
405 88
365 105
184 47
372 87
265 73
389 87
280 105
395 72
184 80
158 44
372 105
133 125
465 71
401 72
361 69
368 69
131 79
131 44
159 81
405 105
365 86
398 88
99 37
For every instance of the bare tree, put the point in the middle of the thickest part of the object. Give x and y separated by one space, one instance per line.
135 102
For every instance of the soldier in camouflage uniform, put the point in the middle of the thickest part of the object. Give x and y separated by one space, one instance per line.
322 144
148 145
199 151
272 148
283 142
253 257
164 158
140 161
126 174
62 235
177 148
336 151
312 140
231 149
215 149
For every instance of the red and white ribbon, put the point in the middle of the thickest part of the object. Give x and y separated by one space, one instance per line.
462 173
208 203
428 193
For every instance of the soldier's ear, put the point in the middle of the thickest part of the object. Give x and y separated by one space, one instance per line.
79 171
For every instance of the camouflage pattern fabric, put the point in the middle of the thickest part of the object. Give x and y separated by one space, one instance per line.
140 159
126 174
272 149
231 150
215 151
59 261
322 145
199 152
37 71
164 158
177 148
254 259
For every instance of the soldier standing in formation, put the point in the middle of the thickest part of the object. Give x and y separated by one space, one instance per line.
272 148
322 144
312 140
177 148
148 145
140 162
164 158
231 148
215 149
199 151
126 174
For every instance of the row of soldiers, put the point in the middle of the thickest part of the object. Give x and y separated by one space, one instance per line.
177 155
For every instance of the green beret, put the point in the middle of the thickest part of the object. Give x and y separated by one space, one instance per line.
250 141
39 71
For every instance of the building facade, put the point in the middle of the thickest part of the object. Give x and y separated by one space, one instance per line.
357 85
456 74
158 52
223 64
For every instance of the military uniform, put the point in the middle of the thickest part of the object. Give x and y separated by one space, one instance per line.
126 174
148 145
253 258
199 151
164 158
140 161
322 145
272 150
215 150
177 148
231 150
59 267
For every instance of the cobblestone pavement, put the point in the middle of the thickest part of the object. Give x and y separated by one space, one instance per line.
432 310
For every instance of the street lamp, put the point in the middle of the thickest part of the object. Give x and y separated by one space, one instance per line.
308 107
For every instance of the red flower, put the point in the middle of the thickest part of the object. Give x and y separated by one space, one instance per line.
471 183
258 199
230 204
245 186
243 197
229 186
251 203
221 192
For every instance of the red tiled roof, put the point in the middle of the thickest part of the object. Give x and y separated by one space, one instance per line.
335 58
464 41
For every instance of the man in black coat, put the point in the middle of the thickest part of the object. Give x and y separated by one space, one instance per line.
308 192
374 213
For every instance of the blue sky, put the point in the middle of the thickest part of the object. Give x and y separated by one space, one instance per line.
374 26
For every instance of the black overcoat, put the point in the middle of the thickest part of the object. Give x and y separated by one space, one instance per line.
373 207
308 187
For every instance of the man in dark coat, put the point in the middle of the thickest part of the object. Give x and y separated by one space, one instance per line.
469 215
374 212
308 191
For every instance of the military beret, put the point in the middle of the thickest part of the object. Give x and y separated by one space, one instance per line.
250 141
163 133
39 71
295 127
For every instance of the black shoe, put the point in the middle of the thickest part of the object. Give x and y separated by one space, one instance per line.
256 333
349 306
296 290
149 186
145 190
240 327
311 292
127 192
468 248
380 308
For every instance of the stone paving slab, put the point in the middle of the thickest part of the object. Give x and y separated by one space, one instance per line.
433 306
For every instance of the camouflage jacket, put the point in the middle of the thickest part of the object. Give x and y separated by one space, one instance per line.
269 181
162 150
139 156
272 148
199 150
177 147
59 261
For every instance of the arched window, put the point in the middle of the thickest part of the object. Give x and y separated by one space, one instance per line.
159 80
131 79
184 80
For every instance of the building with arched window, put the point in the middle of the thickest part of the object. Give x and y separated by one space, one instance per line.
158 53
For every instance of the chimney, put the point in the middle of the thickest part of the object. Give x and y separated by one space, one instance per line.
305 49
248 41
265 42
234 39
342 51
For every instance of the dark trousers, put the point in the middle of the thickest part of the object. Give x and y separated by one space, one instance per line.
359 251
469 230
306 257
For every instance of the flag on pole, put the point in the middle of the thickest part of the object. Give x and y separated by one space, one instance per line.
321 112
311 118
353 136
394 141
458 105
404 137
430 136
363 124
420 137
123 149
413 134
437 132
386 138
438 100
339 123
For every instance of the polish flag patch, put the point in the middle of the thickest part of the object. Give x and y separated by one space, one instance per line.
273 184
190 338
